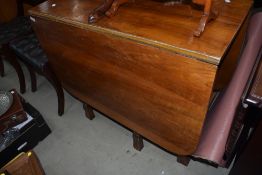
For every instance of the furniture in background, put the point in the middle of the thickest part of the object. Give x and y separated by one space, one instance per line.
12 8
13 113
14 25
18 27
155 80
23 164
25 136
29 51
25 46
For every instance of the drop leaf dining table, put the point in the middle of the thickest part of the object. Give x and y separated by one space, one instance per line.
144 68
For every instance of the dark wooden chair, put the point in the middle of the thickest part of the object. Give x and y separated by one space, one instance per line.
29 51
2 71
16 28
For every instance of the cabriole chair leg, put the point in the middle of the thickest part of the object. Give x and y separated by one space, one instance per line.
2 68
51 77
11 58
33 78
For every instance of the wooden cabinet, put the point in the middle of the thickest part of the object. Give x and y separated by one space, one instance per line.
143 67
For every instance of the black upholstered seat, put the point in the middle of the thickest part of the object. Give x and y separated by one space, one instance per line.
30 51
17 27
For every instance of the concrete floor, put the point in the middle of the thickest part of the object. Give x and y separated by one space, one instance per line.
99 147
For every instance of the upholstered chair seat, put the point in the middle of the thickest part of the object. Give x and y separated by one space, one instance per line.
29 51
17 27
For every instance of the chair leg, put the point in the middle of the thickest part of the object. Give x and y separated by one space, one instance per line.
12 59
138 141
51 77
183 160
88 111
2 68
33 78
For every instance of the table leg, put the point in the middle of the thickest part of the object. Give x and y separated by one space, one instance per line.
137 141
88 111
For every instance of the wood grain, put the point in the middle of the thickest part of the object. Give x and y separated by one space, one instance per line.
25 163
142 69
146 20
144 88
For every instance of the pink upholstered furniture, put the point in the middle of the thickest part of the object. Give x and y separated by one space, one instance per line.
219 119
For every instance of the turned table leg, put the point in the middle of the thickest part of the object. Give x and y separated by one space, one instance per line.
137 141
88 111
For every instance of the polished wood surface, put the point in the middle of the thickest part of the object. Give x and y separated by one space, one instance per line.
210 8
141 22
153 79
228 64
24 164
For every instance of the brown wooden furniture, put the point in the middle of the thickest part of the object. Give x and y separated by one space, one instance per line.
28 137
11 28
14 115
211 9
17 41
153 77
29 51
16 28
23 164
